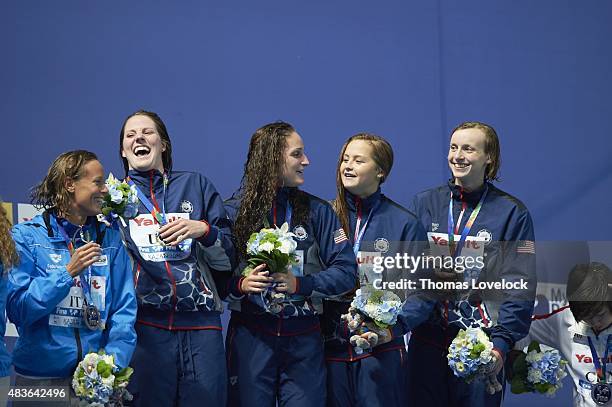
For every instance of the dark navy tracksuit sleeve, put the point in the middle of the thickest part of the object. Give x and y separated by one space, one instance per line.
231 287
417 306
336 253
519 263
222 257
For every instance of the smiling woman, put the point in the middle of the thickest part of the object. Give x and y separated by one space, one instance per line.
179 238
61 294
469 206
275 356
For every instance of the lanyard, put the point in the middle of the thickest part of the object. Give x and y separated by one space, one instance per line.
84 284
466 229
601 370
360 232
288 214
160 216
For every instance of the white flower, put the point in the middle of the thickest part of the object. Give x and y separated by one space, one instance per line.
534 375
266 247
288 246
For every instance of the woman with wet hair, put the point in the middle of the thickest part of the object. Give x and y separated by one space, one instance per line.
470 218
275 355
71 290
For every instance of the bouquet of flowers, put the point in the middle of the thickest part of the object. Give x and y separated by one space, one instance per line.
469 353
97 381
120 202
538 371
371 314
275 248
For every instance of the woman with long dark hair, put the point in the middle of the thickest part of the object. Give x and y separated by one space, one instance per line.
179 239
276 356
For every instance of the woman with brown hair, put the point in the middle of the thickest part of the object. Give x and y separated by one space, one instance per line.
62 295
276 355
377 227
180 237
470 218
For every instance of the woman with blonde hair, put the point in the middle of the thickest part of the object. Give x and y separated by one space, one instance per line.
8 258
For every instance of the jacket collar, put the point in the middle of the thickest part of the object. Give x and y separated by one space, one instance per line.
365 203
580 328
70 228
471 197
144 178
282 195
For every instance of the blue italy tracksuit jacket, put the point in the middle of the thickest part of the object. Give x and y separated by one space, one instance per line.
45 302
174 285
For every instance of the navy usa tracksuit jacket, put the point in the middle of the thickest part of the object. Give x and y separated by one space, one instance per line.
178 321
504 231
377 377
280 357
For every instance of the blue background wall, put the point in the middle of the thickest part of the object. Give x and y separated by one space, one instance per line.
540 72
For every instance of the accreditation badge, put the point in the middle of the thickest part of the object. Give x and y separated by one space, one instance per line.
144 231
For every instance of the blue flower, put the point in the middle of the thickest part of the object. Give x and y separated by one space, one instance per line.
130 211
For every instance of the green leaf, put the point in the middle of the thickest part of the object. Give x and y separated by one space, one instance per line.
519 367
104 369
534 345
518 386
541 387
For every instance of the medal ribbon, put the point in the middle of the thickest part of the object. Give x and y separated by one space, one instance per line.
466 229
160 216
288 213
601 370
360 232
84 284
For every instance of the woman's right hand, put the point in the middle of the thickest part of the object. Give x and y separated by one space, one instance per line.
257 281
83 257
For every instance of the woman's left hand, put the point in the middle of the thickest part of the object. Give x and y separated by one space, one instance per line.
175 232
286 282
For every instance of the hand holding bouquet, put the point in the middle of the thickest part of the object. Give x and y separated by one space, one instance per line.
120 202
470 354
97 381
371 314
538 371
275 248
